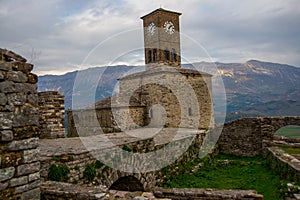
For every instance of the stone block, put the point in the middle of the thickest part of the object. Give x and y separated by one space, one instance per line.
27 187
30 156
26 116
28 168
17 99
1 76
3 186
6 135
5 66
17 76
32 99
11 159
3 99
18 181
32 78
24 67
34 176
6 120
25 132
7 87
6 173
32 194
30 143
27 88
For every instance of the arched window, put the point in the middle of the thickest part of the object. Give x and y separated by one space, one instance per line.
174 55
154 55
149 56
167 54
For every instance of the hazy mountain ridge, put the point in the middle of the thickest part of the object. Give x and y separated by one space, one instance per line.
253 88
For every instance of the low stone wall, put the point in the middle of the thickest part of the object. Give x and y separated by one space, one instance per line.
52 110
72 153
62 191
244 137
89 122
19 135
208 194
283 163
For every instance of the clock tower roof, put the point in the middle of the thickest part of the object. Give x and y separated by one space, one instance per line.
160 10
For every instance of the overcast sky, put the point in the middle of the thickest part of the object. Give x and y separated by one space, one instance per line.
65 35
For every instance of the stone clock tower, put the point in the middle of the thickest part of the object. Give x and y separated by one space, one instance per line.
162 38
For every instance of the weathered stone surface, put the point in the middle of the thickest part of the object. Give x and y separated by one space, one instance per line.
6 135
26 116
17 76
26 88
30 186
32 78
19 164
1 76
7 87
3 186
17 99
34 176
51 109
3 99
5 66
6 120
28 168
6 173
18 181
30 143
24 67
10 159
30 156
10 55
32 194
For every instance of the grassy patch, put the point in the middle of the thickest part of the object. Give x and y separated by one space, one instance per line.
289 131
291 150
229 172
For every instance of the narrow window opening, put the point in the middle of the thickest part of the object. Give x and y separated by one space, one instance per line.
154 55
149 56
190 111
167 54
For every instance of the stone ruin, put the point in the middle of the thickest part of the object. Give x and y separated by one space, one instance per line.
19 119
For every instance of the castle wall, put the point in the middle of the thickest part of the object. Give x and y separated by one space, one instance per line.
186 98
245 137
104 120
19 117
52 110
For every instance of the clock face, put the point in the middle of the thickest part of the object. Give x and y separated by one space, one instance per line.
151 29
169 27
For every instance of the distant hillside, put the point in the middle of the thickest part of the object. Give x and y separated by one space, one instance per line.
253 88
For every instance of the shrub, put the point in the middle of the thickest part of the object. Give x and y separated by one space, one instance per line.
89 172
98 164
58 173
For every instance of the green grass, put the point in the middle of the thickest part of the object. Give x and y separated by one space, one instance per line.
289 131
240 173
291 150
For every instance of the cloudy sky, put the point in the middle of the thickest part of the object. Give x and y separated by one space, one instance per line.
58 36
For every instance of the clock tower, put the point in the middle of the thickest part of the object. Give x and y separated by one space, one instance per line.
162 38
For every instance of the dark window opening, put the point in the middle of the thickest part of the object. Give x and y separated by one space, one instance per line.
154 55
190 111
167 54
149 56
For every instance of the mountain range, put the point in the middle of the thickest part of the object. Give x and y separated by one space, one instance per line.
253 88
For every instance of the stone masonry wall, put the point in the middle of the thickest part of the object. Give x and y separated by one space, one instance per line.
104 120
245 137
19 135
52 110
